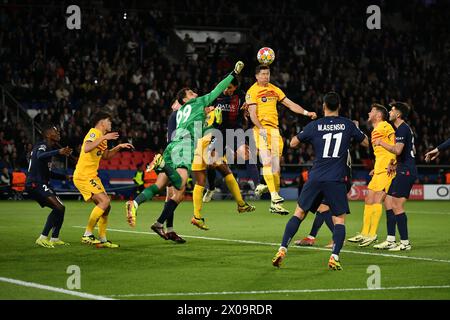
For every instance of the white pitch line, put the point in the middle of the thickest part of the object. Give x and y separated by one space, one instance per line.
54 289
274 291
298 247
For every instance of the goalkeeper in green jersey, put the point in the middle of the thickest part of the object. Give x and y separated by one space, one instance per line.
174 165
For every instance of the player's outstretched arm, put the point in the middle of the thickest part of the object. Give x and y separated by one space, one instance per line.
91 145
433 154
108 154
208 99
297 109
392 148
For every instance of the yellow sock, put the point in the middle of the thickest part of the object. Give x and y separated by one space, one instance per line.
102 223
197 199
368 210
376 216
270 180
276 178
233 186
93 218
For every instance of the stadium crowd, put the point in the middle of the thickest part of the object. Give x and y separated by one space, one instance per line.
125 66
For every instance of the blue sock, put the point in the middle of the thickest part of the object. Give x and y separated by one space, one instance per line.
253 172
58 223
338 238
168 211
328 220
402 224
318 221
50 223
390 221
290 231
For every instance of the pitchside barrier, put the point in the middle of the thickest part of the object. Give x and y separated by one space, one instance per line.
433 183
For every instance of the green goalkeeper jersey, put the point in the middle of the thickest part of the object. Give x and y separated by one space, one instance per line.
191 116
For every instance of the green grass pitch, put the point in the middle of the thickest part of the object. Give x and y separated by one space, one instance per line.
231 261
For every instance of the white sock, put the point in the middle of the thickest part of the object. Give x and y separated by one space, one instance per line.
283 248
159 225
274 195
335 256
102 239
311 237
405 242
135 204
42 237
170 229
390 238
54 239
87 234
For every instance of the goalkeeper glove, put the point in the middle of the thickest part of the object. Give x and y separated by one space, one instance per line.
218 115
238 67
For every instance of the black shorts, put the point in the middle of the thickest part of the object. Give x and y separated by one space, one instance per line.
41 193
401 185
333 193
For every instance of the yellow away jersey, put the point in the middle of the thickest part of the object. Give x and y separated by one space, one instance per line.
382 157
88 163
266 99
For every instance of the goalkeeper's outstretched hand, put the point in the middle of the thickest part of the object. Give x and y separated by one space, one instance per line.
238 67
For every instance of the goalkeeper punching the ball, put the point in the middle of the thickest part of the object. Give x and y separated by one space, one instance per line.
174 165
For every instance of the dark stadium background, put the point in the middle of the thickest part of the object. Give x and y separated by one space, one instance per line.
133 67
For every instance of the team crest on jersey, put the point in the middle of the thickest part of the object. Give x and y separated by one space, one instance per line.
99 153
92 135
264 99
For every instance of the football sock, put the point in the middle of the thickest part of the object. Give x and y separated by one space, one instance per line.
253 172
174 177
270 180
291 229
390 221
328 218
147 194
102 224
93 218
51 221
377 211
368 209
169 209
276 179
338 238
58 222
211 179
402 224
169 221
233 186
197 199
318 221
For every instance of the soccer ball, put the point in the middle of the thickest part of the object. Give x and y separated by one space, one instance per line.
265 56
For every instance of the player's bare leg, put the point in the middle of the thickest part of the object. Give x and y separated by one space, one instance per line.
147 194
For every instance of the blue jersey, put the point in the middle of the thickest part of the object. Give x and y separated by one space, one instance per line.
231 111
445 145
406 160
171 126
331 138
40 163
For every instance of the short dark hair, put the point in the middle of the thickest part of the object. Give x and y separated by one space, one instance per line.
403 107
101 115
235 82
181 95
261 67
47 128
382 109
332 100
